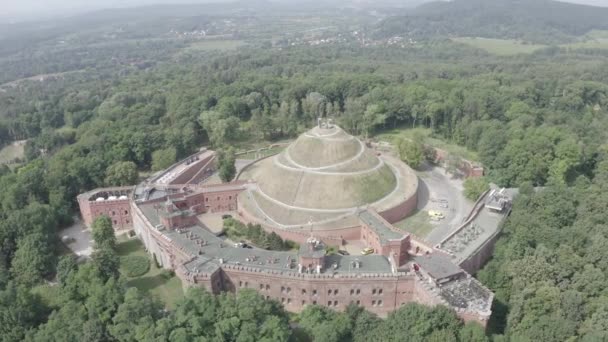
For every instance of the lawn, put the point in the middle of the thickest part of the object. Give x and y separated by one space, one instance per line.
157 282
500 47
409 133
418 224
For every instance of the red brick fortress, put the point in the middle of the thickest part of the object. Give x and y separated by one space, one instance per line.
325 189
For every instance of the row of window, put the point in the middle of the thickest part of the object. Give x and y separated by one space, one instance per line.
330 303
377 303
114 212
335 292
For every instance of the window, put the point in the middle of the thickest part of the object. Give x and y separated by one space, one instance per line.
267 287
288 300
218 198
113 213
229 197
335 292
335 303
352 292
246 284
303 302
288 289
314 302
303 291
282 289
328 292
261 286
115 222
126 212
374 291
358 291
240 283
314 292
207 199
329 303
380 302
380 291
358 302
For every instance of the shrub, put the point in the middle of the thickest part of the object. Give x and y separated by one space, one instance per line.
135 266
167 274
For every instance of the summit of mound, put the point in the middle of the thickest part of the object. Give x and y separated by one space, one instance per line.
324 169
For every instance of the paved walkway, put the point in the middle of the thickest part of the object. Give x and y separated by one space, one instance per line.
82 242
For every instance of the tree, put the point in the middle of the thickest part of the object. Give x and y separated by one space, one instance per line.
106 262
226 165
20 311
314 105
33 259
162 159
453 164
220 128
472 332
136 310
67 264
121 174
373 116
474 187
275 243
411 152
103 232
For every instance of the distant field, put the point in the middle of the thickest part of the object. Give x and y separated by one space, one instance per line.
501 47
12 151
509 47
599 43
409 133
220 45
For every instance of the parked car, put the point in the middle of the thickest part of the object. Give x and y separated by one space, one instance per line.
436 214
367 251
342 252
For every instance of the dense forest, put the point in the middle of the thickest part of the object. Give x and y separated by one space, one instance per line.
536 120
539 21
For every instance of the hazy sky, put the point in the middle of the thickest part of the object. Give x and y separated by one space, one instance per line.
29 8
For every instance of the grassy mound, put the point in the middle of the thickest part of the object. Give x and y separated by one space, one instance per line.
134 266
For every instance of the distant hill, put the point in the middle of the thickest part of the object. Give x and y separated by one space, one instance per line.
538 21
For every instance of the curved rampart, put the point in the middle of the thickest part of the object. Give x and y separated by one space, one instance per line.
402 210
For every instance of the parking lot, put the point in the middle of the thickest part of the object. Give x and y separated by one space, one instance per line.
441 194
